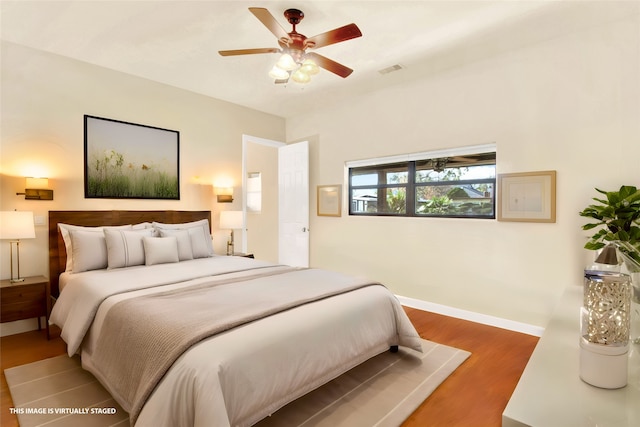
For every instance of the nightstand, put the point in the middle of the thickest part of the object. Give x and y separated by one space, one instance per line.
24 300
243 255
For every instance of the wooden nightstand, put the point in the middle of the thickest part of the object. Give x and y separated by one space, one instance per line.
24 300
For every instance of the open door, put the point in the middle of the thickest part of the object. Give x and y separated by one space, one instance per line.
293 196
280 232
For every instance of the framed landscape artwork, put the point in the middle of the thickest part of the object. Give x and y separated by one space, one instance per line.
130 161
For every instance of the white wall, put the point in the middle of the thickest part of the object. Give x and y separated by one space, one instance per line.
44 99
570 103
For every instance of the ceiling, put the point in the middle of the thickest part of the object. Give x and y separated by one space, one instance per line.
176 42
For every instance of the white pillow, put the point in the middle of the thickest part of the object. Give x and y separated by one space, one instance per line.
201 244
65 230
141 225
124 247
185 252
160 250
89 251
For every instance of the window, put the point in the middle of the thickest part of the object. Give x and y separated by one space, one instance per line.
254 192
456 186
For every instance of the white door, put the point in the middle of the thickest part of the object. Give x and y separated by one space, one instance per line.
293 205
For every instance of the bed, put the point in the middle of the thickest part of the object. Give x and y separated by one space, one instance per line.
182 336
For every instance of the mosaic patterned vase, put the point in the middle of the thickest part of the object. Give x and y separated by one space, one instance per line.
605 327
606 317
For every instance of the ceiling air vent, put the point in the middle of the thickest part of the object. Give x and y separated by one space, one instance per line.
391 69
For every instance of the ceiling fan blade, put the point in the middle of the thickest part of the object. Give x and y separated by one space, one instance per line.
270 22
338 35
248 51
330 65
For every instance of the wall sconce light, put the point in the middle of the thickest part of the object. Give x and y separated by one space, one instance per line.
37 189
224 194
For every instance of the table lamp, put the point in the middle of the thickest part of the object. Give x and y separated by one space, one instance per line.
16 225
231 220
605 323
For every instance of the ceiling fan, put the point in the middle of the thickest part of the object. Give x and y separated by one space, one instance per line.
295 61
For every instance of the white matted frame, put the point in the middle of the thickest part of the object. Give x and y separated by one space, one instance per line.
329 200
527 196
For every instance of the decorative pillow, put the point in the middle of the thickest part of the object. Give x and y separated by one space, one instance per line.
124 247
160 250
89 251
201 244
185 252
65 230
141 225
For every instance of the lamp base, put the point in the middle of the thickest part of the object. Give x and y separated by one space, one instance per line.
230 248
15 279
603 366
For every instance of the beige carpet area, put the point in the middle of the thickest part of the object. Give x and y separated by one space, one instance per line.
383 391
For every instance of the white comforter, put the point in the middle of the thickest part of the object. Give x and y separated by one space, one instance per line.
240 376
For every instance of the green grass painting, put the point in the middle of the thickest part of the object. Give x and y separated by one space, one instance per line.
123 160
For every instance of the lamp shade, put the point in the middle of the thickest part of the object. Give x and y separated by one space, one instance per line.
37 183
278 73
287 63
310 67
16 225
231 220
301 77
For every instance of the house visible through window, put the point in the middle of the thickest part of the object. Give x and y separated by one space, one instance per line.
456 185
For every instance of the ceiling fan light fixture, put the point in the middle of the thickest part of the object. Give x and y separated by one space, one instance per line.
301 77
287 63
293 46
310 67
278 73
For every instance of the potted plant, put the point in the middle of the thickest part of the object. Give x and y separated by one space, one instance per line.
619 218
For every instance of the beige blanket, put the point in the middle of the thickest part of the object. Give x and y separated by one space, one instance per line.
143 336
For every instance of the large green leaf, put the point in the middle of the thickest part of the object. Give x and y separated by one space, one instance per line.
627 191
594 246
619 217
590 226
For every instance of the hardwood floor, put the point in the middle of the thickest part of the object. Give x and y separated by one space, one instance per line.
474 395
478 391
20 349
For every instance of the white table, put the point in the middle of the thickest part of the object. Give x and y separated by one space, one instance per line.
551 393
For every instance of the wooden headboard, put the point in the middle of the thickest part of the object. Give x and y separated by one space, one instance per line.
58 253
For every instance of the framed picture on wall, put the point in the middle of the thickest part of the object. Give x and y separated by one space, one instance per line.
329 200
130 161
527 196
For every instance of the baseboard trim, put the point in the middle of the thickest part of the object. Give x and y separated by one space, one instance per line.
484 319
20 326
